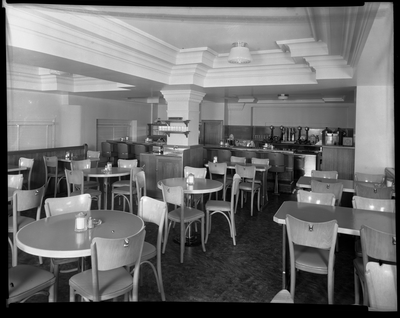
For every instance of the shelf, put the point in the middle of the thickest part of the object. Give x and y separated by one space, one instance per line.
177 132
186 122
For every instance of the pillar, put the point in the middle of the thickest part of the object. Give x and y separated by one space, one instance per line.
184 101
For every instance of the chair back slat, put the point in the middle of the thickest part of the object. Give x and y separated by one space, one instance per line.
320 235
368 177
246 172
377 245
77 203
237 159
382 205
15 181
127 163
197 172
324 174
327 187
372 191
316 198
80 164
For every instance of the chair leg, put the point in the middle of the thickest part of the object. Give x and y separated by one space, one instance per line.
252 199
276 192
182 240
356 288
331 288
202 234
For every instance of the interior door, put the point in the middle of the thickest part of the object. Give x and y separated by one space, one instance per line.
211 132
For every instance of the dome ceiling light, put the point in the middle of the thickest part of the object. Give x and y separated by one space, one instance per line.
283 96
240 54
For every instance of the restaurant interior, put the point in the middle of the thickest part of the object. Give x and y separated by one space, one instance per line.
281 119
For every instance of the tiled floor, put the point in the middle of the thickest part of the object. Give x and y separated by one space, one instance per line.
249 272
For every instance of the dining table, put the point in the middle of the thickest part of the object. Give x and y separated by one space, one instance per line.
199 186
349 221
55 236
14 168
260 168
101 172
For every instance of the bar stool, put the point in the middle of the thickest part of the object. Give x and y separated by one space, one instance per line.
124 151
277 163
107 150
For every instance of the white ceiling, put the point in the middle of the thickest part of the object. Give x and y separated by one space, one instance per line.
215 28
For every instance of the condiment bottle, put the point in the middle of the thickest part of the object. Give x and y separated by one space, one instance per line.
80 222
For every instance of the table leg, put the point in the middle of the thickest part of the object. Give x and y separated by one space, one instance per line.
283 256
105 190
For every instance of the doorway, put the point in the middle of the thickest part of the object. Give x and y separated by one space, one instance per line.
211 132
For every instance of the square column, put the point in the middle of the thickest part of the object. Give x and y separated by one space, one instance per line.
184 101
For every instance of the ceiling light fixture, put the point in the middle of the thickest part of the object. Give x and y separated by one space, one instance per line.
283 96
240 54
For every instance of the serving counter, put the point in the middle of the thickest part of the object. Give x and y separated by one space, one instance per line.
286 179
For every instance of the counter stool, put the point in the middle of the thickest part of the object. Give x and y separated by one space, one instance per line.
277 163
107 150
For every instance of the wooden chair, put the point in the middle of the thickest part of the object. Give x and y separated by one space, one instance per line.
368 177
283 296
57 206
76 178
153 211
277 163
259 178
381 205
85 164
126 192
124 151
382 286
109 278
124 163
218 171
51 171
316 198
372 191
247 174
183 215
141 186
325 187
227 209
312 249
23 200
28 163
25 281
200 173
376 246
324 174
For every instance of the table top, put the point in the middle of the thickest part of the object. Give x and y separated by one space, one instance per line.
77 158
349 220
259 167
55 236
200 185
99 172
12 168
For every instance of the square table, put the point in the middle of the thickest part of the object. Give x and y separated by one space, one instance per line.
349 220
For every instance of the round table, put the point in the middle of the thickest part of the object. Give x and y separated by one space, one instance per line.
200 186
101 173
55 236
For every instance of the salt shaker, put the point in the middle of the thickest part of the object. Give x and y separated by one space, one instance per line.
90 223
80 222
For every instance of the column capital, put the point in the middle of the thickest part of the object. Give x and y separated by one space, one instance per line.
188 93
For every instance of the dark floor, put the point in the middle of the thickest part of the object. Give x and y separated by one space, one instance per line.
249 272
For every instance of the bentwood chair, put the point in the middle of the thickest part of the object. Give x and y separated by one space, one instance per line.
25 281
23 200
316 198
85 164
28 163
14 181
109 276
277 163
373 191
76 178
235 160
378 247
182 214
312 249
200 173
51 171
382 286
382 205
124 163
57 206
153 211
218 172
141 186
324 174
247 184
368 177
227 209
259 174
326 187
127 192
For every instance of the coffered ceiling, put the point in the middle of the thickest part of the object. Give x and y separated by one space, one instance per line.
272 34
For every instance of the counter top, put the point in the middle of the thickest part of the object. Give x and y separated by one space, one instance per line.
337 146
248 149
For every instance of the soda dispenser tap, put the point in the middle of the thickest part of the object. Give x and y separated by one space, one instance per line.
272 133
298 137
282 132
306 129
